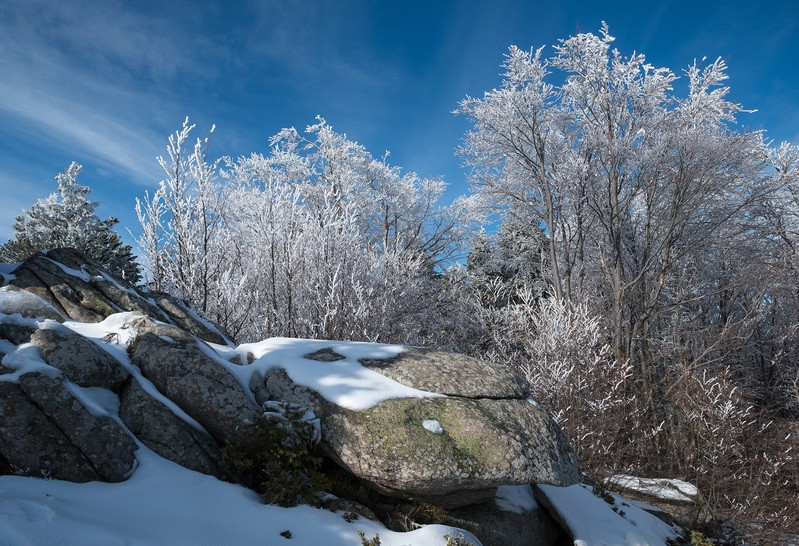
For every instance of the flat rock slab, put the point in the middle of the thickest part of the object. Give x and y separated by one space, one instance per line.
452 374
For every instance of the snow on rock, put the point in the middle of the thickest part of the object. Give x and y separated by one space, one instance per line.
15 300
343 382
26 359
79 273
593 521
6 272
518 499
661 488
115 334
433 426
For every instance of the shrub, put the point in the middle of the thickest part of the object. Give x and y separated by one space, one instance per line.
277 455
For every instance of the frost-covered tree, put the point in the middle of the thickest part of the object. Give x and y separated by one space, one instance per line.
668 227
181 220
626 177
315 239
68 218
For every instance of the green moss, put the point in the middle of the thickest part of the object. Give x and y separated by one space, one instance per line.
396 426
93 302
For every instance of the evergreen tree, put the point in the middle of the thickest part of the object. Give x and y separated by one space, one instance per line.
513 262
67 218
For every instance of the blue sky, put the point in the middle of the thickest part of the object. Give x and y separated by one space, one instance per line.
104 82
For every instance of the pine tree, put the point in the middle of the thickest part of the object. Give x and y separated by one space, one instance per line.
67 218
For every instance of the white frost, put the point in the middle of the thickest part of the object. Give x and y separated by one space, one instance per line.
433 426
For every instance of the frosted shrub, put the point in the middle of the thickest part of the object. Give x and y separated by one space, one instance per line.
316 239
561 351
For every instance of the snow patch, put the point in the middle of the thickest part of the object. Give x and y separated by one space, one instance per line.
661 488
7 271
433 426
97 400
79 273
7 347
164 503
26 359
345 382
593 521
518 499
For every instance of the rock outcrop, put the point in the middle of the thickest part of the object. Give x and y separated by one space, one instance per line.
479 442
80 360
77 406
157 427
14 300
204 389
79 289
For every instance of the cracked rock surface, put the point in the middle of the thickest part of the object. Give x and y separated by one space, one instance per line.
180 370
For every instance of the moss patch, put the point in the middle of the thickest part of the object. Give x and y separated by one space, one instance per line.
467 443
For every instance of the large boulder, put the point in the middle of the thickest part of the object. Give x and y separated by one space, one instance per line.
448 373
80 360
199 385
451 451
160 429
46 431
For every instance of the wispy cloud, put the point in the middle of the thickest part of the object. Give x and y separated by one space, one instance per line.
92 81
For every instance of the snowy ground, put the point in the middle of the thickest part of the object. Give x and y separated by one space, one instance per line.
164 503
